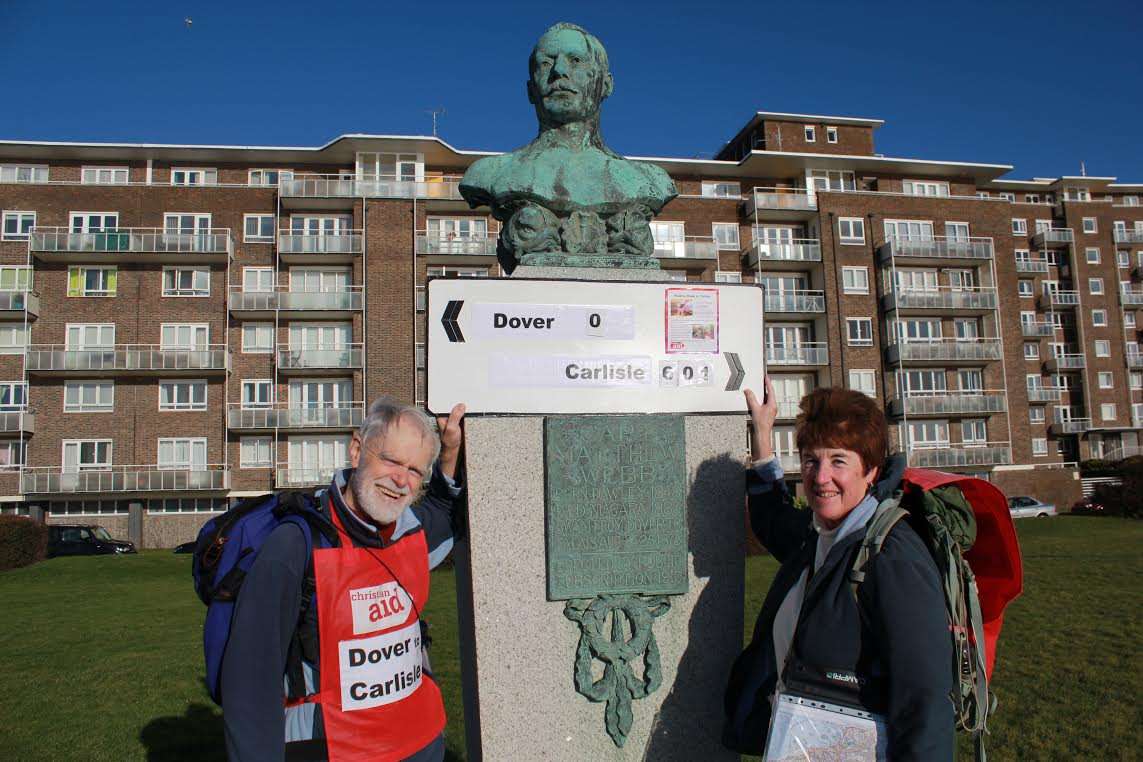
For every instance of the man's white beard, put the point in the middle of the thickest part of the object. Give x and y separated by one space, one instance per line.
382 510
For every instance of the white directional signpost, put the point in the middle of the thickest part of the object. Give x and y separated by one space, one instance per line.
557 346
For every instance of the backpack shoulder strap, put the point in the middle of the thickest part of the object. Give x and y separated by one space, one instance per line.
889 512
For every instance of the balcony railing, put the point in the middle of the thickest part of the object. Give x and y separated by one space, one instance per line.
780 199
691 248
943 350
788 409
1058 298
1134 359
1070 361
1128 236
126 357
791 463
345 299
1053 237
132 240
936 247
319 356
1131 296
475 246
369 186
1069 425
943 298
342 415
1035 329
796 250
949 402
49 480
1032 265
18 302
344 242
953 456
795 301
288 476
809 353
1045 393
13 420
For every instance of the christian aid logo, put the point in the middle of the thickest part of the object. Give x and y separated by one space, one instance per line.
379 608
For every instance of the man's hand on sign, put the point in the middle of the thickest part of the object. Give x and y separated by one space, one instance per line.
762 415
451 428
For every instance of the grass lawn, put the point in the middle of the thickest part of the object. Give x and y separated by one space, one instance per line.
102 657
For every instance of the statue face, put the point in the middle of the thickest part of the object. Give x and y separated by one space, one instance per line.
567 84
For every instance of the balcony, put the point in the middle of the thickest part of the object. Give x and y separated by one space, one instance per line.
795 302
18 420
1045 393
1131 297
287 476
691 249
1032 265
788 409
53 480
127 358
791 463
791 254
1032 329
1134 359
456 248
1069 426
936 249
1053 238
943 350
344 415
949 402
131 245
340 357
343 303
780 203
813 353
334 191
1072 361
980 299
315 248
1128 236
14 305
1055 299
956 456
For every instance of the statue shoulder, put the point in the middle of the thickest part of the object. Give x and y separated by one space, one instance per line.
660 182
478 186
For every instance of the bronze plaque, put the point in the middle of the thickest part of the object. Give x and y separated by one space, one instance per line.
616 505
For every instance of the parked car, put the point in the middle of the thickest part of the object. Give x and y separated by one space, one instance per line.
1023 506
84 540
1089 506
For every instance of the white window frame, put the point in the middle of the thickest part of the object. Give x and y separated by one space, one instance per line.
194 176
1108 411
104 394
117 175
727 276
1094 228
720 189
93 465
864 380
831 134
16 393
24 173
1099 318
193 344
809 133
13 339
732 243
257 238
1091 255
1105 379
1026 288
973 432
1019 226
186 293
257 384
105 331
1095 286
25 221
258 274
192 443
1036 414
244 445
926 188
257 349
1102 348
1031 350
1007 196
191 384
91 293
12 454
856 231
260 176
861 340
855 280
1039 446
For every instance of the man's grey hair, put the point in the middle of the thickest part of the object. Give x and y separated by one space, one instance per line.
386 411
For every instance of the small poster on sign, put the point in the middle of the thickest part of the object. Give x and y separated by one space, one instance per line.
692 320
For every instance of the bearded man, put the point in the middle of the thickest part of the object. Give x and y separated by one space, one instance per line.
334 633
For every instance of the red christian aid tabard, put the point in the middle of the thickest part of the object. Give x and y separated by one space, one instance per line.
377 701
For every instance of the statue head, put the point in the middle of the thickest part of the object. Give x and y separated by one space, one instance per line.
568 77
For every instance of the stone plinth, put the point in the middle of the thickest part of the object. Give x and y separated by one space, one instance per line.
591 273
518 649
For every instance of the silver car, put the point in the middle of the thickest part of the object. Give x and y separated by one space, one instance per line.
1023 507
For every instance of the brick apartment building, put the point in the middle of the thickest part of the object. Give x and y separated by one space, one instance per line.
181 326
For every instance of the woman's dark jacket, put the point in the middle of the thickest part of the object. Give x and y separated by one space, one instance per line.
894 638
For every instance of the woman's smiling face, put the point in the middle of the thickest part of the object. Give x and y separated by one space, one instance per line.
835 481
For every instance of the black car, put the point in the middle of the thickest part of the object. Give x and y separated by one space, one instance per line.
84 540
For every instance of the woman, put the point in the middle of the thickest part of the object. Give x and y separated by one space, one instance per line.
885 648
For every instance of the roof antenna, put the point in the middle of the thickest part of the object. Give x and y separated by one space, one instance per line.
1083 169
439 110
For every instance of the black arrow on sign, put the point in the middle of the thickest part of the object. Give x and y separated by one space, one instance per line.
448 320
736 372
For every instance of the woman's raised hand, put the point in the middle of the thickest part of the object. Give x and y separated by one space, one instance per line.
762 415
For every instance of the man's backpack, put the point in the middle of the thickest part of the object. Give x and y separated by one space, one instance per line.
966 525
226 548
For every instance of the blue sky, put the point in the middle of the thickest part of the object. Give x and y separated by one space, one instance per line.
1042 86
